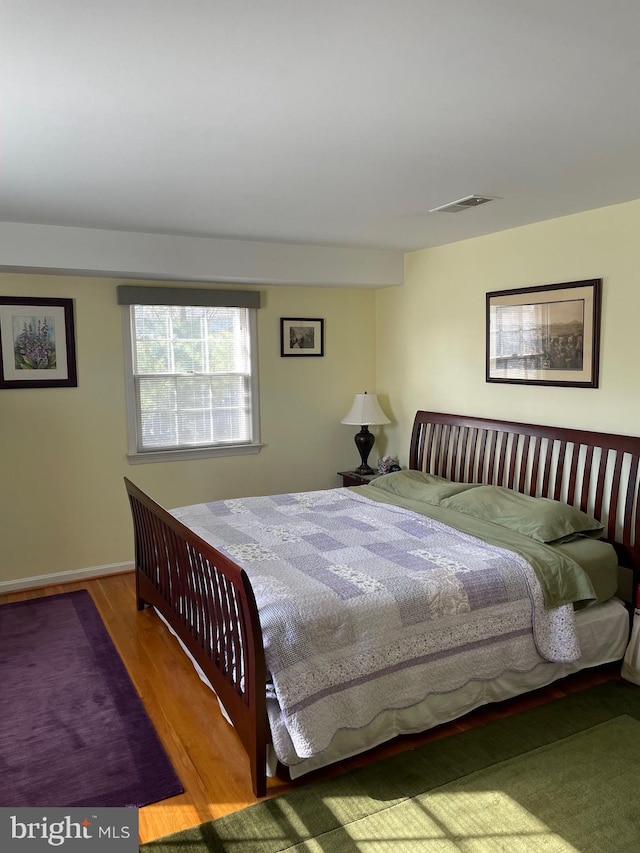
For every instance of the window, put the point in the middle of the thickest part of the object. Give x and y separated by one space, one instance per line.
192 376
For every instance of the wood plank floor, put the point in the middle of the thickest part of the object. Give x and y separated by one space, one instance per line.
204 749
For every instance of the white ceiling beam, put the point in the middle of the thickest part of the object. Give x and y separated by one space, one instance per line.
86 251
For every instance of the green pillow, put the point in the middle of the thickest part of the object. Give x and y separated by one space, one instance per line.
427 488
539 518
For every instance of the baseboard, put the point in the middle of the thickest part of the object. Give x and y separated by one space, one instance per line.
65 577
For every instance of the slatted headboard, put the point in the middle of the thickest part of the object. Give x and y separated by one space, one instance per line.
594 471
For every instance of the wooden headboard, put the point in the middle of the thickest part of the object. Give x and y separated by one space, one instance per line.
594 471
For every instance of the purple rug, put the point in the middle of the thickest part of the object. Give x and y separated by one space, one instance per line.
73 731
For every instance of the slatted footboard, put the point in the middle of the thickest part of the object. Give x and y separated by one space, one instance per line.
208 601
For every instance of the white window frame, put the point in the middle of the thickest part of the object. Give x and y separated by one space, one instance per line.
137 456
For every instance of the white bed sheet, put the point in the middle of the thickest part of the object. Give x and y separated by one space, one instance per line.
603 632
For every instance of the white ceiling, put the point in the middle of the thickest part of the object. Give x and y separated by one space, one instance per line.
329 122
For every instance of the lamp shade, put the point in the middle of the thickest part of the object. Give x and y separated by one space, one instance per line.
365 411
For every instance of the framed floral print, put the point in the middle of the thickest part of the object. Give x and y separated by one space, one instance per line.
37 343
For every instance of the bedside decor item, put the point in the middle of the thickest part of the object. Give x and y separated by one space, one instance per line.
300 336
367 412
37 343
545 335
388 464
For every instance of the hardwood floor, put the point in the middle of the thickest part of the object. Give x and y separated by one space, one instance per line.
204 749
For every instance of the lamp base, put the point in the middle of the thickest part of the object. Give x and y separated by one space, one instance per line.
364 442
364 470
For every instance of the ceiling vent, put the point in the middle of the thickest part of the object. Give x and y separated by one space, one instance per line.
462 204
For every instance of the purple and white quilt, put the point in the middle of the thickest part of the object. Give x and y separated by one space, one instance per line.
366 606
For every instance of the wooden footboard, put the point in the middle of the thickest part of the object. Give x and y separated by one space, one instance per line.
208 601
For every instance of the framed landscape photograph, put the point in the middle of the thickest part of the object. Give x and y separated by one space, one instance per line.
301 336
545 335
37 343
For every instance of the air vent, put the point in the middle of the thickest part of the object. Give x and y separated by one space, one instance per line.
462 204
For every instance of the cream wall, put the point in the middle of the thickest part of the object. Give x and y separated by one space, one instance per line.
431 331
63 505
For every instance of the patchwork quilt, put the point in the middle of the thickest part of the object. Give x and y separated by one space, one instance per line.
366 606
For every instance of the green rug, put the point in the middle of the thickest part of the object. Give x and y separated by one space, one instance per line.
563 777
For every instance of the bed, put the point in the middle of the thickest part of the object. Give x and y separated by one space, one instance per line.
490 568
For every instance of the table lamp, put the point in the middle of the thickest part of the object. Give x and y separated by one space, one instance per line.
366 412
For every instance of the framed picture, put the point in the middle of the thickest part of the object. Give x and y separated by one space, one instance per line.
546 335
37 343
300 336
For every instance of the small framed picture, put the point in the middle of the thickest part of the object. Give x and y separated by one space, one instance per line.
301 336
37 343
545 335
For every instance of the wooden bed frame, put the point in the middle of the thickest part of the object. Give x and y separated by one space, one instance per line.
208 601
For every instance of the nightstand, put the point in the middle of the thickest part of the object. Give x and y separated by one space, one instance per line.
352 478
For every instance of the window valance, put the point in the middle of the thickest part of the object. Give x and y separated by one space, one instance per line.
140 295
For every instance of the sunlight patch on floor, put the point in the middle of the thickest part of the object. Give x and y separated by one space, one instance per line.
447 822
